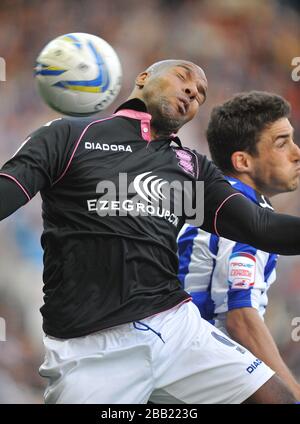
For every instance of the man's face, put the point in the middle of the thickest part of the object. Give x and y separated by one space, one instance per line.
173 95
276 169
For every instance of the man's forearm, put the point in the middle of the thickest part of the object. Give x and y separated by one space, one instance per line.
241 220
246 327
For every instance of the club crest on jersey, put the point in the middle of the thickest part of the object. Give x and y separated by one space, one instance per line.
89 145
185 161
241 271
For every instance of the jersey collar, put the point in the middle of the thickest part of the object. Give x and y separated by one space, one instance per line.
136 109
249 192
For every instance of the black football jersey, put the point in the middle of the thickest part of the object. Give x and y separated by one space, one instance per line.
102 270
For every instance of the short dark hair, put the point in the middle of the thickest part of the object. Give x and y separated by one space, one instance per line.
236 125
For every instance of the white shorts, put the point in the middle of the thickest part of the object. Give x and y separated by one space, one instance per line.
181 359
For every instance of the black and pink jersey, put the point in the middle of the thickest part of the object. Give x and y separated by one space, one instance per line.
104 270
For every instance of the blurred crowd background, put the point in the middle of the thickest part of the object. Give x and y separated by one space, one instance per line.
241 45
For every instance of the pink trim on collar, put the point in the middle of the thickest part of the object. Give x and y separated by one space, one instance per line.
146 130
144 117
134 114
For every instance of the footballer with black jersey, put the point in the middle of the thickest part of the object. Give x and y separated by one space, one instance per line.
118 327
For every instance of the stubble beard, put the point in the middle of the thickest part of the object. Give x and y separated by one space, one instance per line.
163 120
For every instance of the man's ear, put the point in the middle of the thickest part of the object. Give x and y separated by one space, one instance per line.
241 162
141 78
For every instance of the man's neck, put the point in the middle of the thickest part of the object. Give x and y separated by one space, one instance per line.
134 104
138 104
246 179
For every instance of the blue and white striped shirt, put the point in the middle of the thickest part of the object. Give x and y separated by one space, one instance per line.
221 274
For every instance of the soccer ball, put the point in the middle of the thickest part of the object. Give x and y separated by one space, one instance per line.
78 74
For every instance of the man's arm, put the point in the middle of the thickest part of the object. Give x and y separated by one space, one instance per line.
12 197
246 327
36 165
229 214
241 220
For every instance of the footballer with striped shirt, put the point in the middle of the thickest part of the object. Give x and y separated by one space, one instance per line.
251 140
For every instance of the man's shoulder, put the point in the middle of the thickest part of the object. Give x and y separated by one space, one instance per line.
80 124
73 126
190 152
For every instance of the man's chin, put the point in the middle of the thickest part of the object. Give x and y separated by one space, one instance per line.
167 126
168 119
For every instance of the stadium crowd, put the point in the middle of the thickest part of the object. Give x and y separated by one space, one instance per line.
241 46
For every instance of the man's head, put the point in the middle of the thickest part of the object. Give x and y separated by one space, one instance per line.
173 91
250 137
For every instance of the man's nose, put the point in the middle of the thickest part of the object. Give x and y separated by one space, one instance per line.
296 152
191 91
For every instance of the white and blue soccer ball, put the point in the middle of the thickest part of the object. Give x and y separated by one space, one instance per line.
78 74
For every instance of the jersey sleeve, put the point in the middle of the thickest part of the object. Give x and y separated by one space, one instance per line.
245 277
217 190
41 158
11 198
242 277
